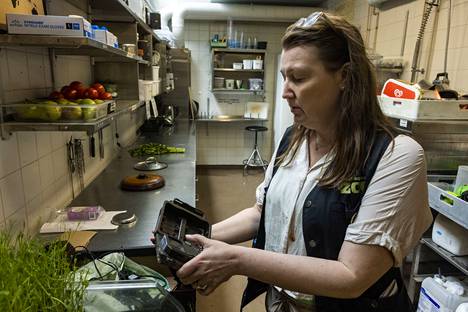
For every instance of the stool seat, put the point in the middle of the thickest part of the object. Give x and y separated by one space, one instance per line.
256 128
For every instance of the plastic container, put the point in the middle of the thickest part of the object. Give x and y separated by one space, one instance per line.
156 87
451 206
441 294
84 212
218 82
247 64
155 72
257 64
145 90
47 111
237 65
230 84
450 236
255 84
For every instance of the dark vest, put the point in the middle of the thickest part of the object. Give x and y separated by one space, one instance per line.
327 212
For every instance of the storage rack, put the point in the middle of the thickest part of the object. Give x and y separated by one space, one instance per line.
106 61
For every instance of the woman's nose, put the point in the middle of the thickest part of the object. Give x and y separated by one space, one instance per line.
287 92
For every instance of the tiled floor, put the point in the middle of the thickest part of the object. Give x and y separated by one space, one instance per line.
224 191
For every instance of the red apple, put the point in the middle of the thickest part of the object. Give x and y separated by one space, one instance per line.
91 93
105 96
99 87
71 94
76 85
55 96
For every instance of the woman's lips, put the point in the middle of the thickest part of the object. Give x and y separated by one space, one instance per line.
295 109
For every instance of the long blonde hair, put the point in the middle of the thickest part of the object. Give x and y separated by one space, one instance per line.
359 116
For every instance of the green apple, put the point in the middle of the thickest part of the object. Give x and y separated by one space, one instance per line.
51 111
87 102
71 113
62 102
29 112
98 101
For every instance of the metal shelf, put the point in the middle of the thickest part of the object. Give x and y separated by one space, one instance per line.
229 118
246 51
70 46
460 262
239 70
242 91
122 106
119 11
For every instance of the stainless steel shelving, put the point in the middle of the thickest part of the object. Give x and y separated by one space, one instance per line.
71 46
460 262
238 70
241 91
229 118
247 51
122 106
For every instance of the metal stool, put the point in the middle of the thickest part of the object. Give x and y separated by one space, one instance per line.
255 159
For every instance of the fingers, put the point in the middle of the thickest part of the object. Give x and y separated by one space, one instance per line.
187 272
197 239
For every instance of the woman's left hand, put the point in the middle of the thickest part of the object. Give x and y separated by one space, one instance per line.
214 265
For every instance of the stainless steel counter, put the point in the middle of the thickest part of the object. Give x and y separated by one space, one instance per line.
105 190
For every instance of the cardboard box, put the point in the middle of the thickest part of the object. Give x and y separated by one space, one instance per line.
49 25
33 7
112 40
106 37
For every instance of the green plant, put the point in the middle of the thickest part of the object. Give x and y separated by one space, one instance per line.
35 278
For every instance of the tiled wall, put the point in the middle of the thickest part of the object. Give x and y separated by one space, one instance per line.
34 176
229 143
390 34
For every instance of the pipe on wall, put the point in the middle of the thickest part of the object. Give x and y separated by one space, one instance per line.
219 11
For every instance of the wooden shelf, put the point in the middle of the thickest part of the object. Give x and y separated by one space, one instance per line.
71 46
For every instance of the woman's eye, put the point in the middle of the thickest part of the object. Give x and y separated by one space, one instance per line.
297 79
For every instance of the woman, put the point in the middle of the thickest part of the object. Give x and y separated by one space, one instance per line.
344 199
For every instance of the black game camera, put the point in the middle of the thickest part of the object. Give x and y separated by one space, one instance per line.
176 219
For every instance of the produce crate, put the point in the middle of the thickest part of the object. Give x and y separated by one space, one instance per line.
424 109
48 111
447 204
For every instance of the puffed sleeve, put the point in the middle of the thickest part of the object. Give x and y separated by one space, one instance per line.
395 212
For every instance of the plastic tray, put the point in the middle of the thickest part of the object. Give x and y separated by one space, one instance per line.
450 206
50 112
424 109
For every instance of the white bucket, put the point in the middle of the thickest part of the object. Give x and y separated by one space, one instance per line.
257 64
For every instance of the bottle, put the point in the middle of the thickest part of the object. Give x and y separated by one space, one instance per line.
254 43
249 43
241 40
229 33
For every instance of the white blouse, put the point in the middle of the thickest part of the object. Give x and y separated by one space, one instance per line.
394 211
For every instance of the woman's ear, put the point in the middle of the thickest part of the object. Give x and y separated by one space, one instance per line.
341 75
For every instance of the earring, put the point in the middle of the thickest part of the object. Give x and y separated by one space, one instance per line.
342 88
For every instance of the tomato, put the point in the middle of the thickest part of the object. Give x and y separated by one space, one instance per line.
64 89
71 94
81 93
91 93
99 87
106 96
56 96
76 85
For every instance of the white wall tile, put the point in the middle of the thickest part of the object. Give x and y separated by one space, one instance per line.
46 170
44 144
31 180
9 159
17 222
17 70
36 70
60 163
36 214
11 187
27 147
57 140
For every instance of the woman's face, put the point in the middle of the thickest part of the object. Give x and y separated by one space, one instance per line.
311 90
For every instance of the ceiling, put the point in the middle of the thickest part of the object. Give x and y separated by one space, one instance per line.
308 3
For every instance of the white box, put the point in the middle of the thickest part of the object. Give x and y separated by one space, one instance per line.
155 72
155 87
424 109
100 35
48 25
112 40
450 236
